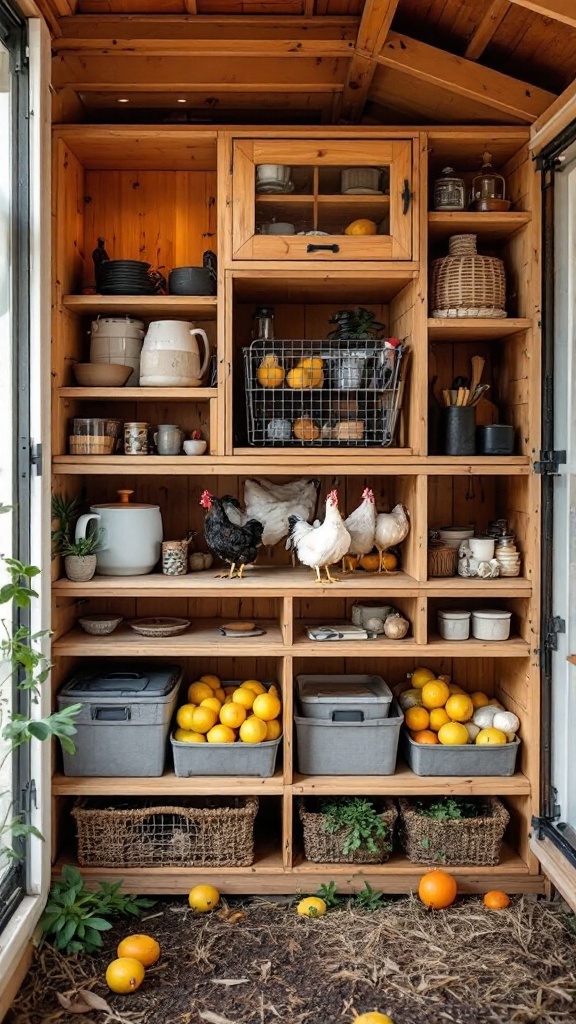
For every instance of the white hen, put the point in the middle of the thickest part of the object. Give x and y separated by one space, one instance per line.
322 544
272 504
361 525
391 529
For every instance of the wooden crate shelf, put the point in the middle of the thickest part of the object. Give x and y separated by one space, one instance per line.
139 394
203 307
198 640
490 227
167 784
464 329
280 464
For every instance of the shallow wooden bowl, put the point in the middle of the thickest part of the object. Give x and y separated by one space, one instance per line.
101 375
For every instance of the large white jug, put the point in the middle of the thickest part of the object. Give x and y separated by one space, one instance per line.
170 355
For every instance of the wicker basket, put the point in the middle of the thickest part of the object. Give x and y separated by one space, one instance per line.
324 847
465 284
466 841
198 832
442 560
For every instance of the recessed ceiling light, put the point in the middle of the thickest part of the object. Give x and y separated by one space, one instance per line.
123 101
182 101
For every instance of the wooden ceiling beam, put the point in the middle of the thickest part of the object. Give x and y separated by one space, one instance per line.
83 28
558 10
464 77
486 29
374 26
217 46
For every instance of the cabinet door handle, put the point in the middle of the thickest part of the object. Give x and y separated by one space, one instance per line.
406 197
311 247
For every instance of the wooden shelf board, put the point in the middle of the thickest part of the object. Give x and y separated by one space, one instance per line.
201 306
379 647
514 647
459 585
202 638
405 783
139 394
341 454
274 581
167 784
488 226
317 285
279 198
475 329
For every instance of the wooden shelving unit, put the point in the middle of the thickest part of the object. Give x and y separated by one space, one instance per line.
389 275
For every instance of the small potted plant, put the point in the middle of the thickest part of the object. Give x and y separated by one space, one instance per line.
79 555
347 830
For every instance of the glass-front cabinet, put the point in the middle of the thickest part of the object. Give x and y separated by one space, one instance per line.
349 200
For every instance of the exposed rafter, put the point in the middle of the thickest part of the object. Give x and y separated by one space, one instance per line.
464 77
372 32
555 119
486 28
558 10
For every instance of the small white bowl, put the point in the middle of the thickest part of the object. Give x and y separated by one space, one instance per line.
195 447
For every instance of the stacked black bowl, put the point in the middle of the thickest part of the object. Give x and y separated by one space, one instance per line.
124 277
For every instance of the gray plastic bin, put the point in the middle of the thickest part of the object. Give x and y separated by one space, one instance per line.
349 748
469 759
343 698
225 758
123 726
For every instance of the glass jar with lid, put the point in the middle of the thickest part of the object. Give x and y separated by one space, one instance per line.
263 320
489 188
449 191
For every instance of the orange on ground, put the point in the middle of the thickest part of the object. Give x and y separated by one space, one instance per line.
232 715
438 718
421 676
199 691
212 680
459 707
273 729
254 685
184 716
220 734
266 706
203 719
142 947
453 734
373 1018
437 889
245 698
188 736
496 900
435 693
416 718
425 736
253 730
311 906
124 975
203 898
479 699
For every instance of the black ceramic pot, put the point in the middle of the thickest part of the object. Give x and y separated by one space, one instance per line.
458 430
495 439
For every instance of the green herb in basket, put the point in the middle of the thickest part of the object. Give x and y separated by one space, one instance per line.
451 808
360 818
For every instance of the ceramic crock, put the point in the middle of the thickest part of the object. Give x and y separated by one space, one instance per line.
130 536
171 356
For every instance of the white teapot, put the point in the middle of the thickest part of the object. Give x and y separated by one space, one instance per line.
171 356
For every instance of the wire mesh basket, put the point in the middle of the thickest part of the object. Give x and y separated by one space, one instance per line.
322 393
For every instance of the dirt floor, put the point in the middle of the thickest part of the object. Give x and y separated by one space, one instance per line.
465 965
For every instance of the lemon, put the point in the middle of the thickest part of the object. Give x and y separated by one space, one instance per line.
459 707
203 898
479 699
273 729
254 685
197 692
184 716
245 698
417 719
421 676
435 693
189 736
125 974
454 688
490 737
203 719
213 681
220 734
220 694
312 906
141 947
373 1018
232 715
453 733
253 730
266 706
438 718
362 226
211 702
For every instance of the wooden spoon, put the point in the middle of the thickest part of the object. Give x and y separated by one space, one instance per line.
477 363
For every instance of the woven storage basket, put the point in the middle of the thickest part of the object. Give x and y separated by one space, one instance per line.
324 847
442 560
466 841
198 832
465 284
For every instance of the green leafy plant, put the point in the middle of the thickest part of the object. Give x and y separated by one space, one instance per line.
368 898
329 894
65 512
75 917
449 808
355 323
360 819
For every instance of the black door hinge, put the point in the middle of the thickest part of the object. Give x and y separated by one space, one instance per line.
406 197
540 820
28 799
549 462
554 626
36 457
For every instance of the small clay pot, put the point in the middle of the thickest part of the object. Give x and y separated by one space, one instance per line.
80 568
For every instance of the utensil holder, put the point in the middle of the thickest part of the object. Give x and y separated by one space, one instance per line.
458 430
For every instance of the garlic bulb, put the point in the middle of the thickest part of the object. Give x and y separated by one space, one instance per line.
375 625
472 730
410 699
483 717
207 560
507 721
510 737
396 627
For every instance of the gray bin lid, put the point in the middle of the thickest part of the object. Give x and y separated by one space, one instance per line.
147 683
327 689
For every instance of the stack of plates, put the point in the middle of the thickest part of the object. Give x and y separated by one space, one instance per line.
125 277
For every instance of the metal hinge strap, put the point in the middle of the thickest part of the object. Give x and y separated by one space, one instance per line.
28 799
549 462
36 457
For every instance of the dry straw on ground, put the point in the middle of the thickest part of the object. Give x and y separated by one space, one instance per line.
466 965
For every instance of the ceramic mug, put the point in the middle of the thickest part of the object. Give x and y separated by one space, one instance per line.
278 228
136 438
194 447
168 439
273 172
482 548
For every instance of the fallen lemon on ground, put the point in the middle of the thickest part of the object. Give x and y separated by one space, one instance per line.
124 975
203 898
373 1018
437 889
311 906
140 947
496 900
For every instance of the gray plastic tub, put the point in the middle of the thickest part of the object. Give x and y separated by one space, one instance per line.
349 748
225 758
123 726
435 759
343 698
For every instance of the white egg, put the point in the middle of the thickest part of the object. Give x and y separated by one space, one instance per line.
483 717
507 721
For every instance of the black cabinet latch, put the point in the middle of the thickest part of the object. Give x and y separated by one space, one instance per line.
550 462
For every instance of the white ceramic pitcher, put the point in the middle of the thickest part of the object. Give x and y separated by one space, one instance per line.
129 534
171 357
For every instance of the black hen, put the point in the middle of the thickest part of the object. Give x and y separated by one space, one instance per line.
236 545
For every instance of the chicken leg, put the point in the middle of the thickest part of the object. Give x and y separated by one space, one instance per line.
228 575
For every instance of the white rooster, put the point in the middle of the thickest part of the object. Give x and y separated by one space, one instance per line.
391 529
361 525
322 544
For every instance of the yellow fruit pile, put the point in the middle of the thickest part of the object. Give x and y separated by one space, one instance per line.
438 711
248 713
308 373
134 954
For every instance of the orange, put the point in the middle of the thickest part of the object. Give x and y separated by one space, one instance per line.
188 736
490 737
203 898
437 889
245 698
213 681
203 719
454 688
459 707
232 715
479 699
312 906
254 685
142 947
221 734
453 734
373 1018
220 693
435 693
425 736
389 561
124 975
417 718
198 692
421 676
253 730
438 718
370 562
496 900
273 729
211 702
184 716
266 706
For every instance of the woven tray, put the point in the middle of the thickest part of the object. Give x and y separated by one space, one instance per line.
469 841
324 847
197 832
